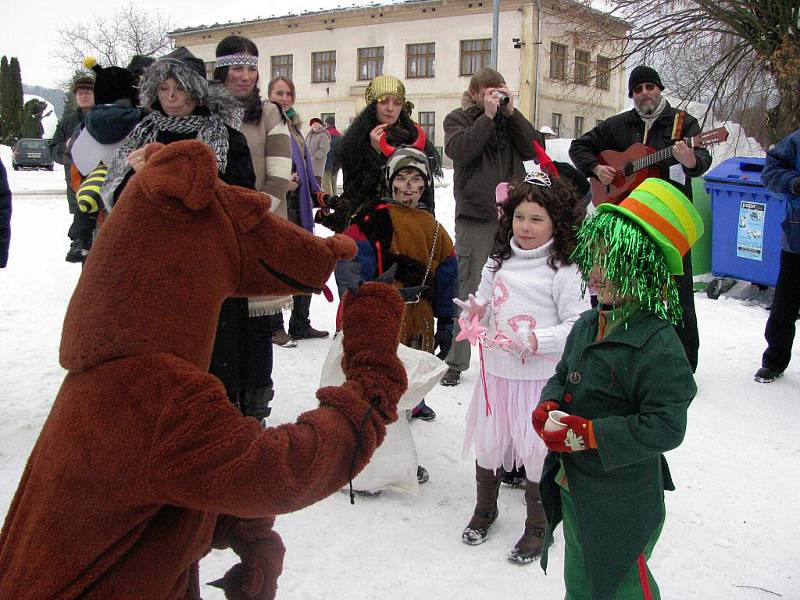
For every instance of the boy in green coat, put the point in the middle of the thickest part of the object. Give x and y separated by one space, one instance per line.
626 384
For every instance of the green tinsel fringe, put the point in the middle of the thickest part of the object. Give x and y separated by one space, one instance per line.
633 263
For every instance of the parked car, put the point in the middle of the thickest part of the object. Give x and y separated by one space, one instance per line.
30 153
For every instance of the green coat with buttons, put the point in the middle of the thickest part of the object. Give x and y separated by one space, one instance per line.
635 385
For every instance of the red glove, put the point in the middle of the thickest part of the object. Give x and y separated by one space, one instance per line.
577 435
540 414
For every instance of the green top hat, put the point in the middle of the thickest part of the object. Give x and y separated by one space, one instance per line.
666 215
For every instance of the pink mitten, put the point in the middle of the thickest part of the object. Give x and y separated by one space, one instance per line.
471 307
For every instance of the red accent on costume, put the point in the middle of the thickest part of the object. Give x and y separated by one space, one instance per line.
644 580
387 149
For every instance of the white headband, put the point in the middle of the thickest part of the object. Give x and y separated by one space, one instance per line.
230 60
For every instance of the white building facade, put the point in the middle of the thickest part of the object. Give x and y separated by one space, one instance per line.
434 47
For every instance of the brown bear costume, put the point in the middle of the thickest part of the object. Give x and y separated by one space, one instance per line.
143 464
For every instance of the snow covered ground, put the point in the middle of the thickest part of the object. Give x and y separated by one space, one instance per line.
730 531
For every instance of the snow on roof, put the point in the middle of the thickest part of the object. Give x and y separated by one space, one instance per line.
242 11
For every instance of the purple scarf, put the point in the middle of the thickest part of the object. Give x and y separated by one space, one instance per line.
307 184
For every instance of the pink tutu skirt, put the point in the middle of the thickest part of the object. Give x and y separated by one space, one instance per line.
505 438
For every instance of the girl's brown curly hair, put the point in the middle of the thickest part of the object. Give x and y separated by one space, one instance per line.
560 201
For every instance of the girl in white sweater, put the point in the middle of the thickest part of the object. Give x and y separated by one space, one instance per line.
528 299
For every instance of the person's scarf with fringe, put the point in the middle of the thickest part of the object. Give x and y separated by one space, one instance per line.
307 184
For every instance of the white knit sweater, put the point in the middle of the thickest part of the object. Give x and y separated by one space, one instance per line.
526 296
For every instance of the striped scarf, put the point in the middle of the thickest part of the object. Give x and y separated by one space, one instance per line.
209 129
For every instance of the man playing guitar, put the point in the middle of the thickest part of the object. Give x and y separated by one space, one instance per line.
654 122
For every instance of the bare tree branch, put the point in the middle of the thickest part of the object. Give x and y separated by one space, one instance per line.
114 39
738 56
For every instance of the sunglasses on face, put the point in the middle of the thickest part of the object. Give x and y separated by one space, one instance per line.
644 86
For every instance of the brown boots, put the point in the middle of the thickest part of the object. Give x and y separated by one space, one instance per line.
488 482
529 547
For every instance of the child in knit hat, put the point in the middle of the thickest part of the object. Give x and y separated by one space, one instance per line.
625 384
398 233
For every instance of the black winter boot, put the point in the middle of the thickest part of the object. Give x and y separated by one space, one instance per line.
488 484
529 547
255 402
514 478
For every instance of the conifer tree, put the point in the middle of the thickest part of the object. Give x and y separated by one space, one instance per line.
32 113
10 99
19 94
5 96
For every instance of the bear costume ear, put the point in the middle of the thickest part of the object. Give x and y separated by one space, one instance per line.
185 171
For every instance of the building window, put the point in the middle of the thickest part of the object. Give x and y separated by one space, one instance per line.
281 66
323 66
603 80
420 60
582 62
370 63
210 66
475 55
324 116
578 127
556 123
427 120
558 61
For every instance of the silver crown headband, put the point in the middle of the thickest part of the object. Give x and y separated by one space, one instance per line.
231 60
534 174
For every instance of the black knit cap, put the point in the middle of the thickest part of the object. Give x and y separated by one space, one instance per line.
183 56
112 84
139 62
643 74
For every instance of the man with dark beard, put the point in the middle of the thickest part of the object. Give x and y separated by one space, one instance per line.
651 121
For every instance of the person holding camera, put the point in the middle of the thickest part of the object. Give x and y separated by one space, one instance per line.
487 140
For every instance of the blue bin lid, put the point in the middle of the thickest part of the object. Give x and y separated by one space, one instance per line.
739 170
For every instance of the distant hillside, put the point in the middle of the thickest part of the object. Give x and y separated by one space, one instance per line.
54 97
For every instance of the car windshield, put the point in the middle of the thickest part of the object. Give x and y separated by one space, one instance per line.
33 145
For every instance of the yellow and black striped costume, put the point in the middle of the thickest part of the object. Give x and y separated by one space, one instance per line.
89 199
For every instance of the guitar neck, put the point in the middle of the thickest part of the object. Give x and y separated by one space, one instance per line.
650 160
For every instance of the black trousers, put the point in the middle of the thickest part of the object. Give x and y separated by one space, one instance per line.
82 228
301 305
299 322
300 319
259 355
229 358
780 329
687 332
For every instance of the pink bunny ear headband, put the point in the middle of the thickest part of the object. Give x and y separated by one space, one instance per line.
533 175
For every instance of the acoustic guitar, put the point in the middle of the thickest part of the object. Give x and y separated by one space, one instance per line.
639 162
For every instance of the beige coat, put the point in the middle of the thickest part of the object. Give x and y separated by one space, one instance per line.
272 155
319 142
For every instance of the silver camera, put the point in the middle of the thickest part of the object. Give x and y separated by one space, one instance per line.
504 99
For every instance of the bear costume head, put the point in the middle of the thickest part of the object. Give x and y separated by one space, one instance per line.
223 241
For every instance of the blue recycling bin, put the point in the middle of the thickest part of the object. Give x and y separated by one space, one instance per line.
746 223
